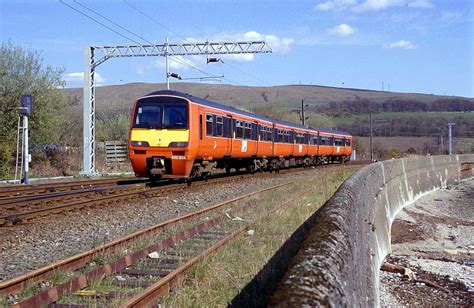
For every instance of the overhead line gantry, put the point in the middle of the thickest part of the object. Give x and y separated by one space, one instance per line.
162 50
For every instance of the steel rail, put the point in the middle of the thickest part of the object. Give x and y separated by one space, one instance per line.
20 201
8 191
150 295
53 294
17 284
23 216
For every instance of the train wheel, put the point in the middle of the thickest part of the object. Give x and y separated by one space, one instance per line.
227 170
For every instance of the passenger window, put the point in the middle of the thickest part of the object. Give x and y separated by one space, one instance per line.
208 124
219 126
240 130
248 131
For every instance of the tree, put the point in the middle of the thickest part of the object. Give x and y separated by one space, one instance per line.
112 124
22 72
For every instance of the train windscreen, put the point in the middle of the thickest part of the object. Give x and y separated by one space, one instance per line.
161 112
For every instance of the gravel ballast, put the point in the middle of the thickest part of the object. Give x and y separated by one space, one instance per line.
29 246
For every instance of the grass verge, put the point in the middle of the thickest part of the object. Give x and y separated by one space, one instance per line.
219 278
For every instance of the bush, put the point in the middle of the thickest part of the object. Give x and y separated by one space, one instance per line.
6 159
22 72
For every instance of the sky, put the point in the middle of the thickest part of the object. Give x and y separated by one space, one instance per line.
422 46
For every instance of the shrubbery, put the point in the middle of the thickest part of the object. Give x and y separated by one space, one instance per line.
22 72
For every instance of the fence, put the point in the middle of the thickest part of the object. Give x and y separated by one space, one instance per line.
115 152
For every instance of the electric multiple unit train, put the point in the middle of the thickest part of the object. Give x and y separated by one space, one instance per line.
176 135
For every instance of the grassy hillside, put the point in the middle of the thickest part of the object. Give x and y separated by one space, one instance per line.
289 96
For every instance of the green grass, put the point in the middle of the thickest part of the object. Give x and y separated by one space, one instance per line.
401 115
220 277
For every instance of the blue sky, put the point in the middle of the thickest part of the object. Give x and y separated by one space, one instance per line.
423 46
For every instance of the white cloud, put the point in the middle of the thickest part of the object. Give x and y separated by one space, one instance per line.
335 5
402 44
425 4
377 5
371 5
76 79
278 44
342 30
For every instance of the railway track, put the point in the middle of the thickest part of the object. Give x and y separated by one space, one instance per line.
18 191
136 270
22 209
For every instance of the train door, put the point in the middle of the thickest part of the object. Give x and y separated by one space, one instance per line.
318 142
202 127
294 145
228 133
274 138
255 134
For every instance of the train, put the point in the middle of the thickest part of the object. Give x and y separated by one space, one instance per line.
177 135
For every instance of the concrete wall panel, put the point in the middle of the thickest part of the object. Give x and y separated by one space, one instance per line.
338 264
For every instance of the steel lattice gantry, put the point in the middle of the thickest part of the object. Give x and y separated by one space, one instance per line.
163 50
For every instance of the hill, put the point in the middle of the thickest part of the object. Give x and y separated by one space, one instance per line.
395 114
288 96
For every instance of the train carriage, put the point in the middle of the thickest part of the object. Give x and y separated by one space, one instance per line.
173 134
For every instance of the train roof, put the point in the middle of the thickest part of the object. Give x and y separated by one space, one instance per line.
208 103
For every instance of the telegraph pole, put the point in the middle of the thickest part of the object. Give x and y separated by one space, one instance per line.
371 136
302 112
450 137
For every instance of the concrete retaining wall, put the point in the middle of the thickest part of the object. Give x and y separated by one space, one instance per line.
338 264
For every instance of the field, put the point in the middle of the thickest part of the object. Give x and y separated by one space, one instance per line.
449 116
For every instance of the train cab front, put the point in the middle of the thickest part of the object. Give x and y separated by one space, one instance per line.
159 137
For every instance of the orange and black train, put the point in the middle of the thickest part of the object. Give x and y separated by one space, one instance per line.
177 135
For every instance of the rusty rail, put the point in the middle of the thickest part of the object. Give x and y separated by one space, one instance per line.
150 295
173 278
11 219
16 285
10 191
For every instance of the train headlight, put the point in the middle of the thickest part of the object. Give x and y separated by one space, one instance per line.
178 144
140 144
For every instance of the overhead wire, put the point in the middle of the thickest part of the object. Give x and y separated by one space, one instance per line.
178 60
141 37
156 22
186 40
100 23
245 73
113 22
130 32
